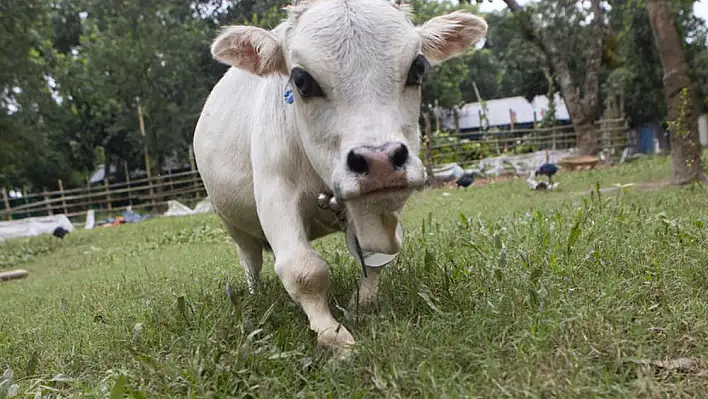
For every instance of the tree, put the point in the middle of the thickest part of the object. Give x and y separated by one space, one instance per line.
27 110
519 64
124 52
682 106
639 72
581 93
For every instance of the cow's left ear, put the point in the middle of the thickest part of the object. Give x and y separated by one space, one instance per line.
251 48
448 35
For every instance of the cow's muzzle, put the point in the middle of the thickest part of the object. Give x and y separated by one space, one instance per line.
380 169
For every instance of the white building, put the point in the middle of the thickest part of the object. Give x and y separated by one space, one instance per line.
504 112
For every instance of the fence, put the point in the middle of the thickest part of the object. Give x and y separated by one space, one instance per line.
144 193
468 148
463 148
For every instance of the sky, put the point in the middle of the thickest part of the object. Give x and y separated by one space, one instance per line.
700 8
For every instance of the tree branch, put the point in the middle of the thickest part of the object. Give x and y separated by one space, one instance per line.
581 108
513 5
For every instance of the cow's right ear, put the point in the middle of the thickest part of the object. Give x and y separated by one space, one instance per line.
253 49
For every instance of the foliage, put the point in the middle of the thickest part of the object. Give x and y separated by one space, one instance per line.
521 65
72 72
446 148
640 74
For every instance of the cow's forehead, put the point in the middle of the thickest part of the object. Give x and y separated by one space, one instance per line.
334 36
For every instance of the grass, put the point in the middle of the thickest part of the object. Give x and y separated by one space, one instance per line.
500 292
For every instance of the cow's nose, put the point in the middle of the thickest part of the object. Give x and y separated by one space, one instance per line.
377 160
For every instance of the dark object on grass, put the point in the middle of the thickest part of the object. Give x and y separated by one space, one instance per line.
60 232
547 169
465 181
541 186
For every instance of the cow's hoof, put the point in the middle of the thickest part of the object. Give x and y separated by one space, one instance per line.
338 340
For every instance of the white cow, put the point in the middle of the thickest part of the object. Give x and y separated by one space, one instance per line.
351 130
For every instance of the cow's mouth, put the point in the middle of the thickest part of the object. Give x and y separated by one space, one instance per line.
384 191
373 216
377 193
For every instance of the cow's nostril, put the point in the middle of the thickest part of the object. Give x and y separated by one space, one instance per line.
357 163
400 156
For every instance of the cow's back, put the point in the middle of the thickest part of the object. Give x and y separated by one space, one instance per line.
222 146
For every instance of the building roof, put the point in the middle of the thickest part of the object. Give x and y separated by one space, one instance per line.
498 112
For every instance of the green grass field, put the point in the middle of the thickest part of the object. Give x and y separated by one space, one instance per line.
500 292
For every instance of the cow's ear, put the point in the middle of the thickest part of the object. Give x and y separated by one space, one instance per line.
253 49
448 35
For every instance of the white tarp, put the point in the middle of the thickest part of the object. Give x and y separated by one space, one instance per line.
176 208
494 166
204 206
448 172
33 226
522 163
90 219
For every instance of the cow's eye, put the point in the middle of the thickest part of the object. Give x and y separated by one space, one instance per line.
305 83
417 72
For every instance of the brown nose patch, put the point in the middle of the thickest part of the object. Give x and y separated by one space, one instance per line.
382 174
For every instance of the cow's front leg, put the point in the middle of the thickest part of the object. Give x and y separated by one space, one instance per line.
304 274
367 291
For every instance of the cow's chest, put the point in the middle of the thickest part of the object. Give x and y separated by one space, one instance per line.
322 222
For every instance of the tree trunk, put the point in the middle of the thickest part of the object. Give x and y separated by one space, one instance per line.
586 136
680 95
581 108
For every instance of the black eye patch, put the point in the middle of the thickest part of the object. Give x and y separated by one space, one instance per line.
305 84
417 71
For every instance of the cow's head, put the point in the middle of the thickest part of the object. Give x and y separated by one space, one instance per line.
356 67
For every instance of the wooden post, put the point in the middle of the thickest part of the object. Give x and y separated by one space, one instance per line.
456 120
169 176
6 201
46 200
512 118
535 134
88 190
141 124
127 180
554 140
26 201
106 184
61 193
152 192
437 117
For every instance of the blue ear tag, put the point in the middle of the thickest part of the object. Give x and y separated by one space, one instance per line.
289 96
